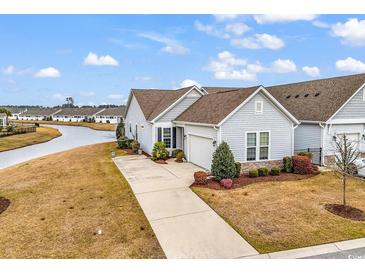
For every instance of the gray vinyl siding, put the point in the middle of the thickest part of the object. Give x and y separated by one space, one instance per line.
307 136
180 107
233 131
135 116
354 109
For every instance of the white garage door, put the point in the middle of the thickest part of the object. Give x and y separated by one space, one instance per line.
201 151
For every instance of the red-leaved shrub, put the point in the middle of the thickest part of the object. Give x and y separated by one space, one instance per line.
200 177
226 183
302 165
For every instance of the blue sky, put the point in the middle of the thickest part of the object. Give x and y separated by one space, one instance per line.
98 58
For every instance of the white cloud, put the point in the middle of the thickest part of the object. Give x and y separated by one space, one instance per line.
350 64
9 70
210 30
283 66
237 28
50 72
115 96
282 18
189 83
311 71
259 41
171 46
87 93
352 32
92 59
320 24
228 67
224 17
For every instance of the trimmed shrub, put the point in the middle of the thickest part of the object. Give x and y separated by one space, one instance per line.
238 169
306 154
200 177
175 152
119 132
226 183
159 151
223 164
135 146
123 142
129 143
287 164
263 171
180 156
275 171
253 173
302 165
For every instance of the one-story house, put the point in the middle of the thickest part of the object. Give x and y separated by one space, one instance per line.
112 115
15 112
326 109
83 114
38 114
257 127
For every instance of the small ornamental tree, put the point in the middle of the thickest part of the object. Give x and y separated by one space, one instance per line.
120 130
346 155
223 164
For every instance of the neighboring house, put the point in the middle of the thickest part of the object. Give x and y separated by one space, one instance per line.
38 114
77 114
327 109
150 115
258 129
3 120
112 115
15 112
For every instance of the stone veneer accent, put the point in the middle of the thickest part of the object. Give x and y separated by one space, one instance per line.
245 167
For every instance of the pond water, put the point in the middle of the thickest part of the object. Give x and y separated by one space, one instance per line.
72 137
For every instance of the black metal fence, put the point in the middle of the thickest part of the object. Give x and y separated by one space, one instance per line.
316 152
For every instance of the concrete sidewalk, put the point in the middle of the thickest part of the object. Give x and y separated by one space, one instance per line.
185 226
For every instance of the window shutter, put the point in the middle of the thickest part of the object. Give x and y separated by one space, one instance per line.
174 137
159 134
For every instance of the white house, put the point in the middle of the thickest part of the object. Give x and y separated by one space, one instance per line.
3 120
77 114
257 127
327 109
15 112
38 114
112 115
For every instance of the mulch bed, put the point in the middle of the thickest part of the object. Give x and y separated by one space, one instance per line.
347 212
4 204
161 161
129 151
245 180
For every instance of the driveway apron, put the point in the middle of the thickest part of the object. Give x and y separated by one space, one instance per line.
185 226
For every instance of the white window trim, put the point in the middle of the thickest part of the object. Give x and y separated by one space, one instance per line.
258 145
257 103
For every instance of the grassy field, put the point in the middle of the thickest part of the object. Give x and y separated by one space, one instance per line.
96 126
43 134
277 216
60 202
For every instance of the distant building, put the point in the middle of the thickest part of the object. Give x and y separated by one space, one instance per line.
15 112
111 115
77 114
3 120
38 114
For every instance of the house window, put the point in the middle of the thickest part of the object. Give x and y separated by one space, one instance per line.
167 137
259 105
159 134
130 127
257 146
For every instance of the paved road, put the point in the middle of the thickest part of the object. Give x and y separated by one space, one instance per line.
357 253
185 226
72 137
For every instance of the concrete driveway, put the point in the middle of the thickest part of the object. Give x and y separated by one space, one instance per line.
185 226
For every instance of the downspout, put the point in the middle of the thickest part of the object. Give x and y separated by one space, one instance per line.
292 138
219 137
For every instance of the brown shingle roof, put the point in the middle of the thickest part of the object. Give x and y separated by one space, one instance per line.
317 100
116 111
78 111
40 112
214 107
155 101
217 89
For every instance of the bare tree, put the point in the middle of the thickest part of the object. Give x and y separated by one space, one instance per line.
346 155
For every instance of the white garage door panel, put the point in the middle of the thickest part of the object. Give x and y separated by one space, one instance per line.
201 151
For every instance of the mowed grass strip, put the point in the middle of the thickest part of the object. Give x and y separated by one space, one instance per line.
43 134
59 203
96 126
274 216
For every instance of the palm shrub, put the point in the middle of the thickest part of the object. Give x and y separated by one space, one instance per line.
159 151
135 146
223 164
119 132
